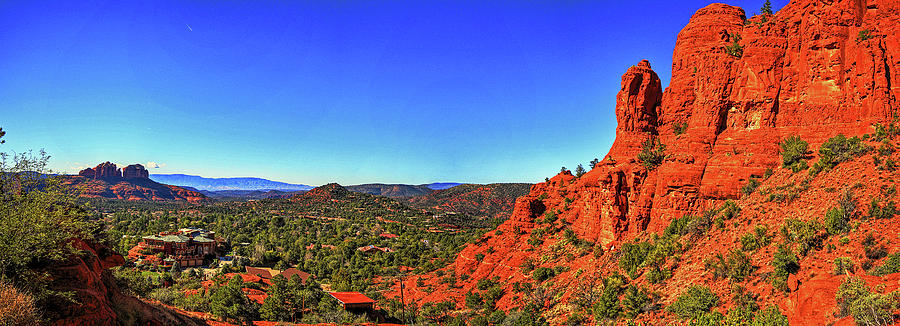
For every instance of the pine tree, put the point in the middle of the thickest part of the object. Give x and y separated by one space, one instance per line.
579 171
766 8
594 162
276 306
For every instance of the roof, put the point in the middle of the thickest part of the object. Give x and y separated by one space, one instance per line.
291 272
351 297
167 238
388 235
175 238
203 239
258 272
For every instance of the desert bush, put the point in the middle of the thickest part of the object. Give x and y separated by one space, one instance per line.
806 234
632 257
872 248
867 308
694 302
863 35
735 266
541 274
836 221
876 211
784 263
679 128
607 306
729 210
891 265
751 186
658 274
17 307
838 149
653 153
886 148
794 152
842 265
883 132
770 316
637 300
759 238
734 49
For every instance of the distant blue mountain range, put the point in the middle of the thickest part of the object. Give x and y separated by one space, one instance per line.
442 185
216 184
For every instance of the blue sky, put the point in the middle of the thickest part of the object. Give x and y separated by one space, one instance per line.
315 92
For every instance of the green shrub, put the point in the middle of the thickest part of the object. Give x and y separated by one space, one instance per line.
836 221
658 274
636 301
891 265
784 263
877 211
729 210
842 265
736 266
474 300
770 316
872 248
632 257
794 153
678 226
680 128
838 149
541 274
607 306
734 49
484 284
863 35
694 302
757 239
867 308
806 234
883 132
886 148
652 154
751 186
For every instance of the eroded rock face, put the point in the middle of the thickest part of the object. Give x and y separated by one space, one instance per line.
107 170
87 173
803 71
135 171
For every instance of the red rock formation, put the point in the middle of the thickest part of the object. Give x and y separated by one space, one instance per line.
99 300
88 173
135 171
107 170
804 71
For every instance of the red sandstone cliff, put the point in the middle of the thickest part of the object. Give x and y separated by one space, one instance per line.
99 301
802 71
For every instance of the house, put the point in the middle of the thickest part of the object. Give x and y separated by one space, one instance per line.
374 249
268 273
188 247
354 301
388 235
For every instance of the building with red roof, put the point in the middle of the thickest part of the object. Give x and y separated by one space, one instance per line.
353 300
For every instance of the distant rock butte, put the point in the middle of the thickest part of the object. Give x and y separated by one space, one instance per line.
109 171
106 180
135 171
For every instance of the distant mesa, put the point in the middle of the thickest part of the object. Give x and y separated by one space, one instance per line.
106 180
135 171
109 171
